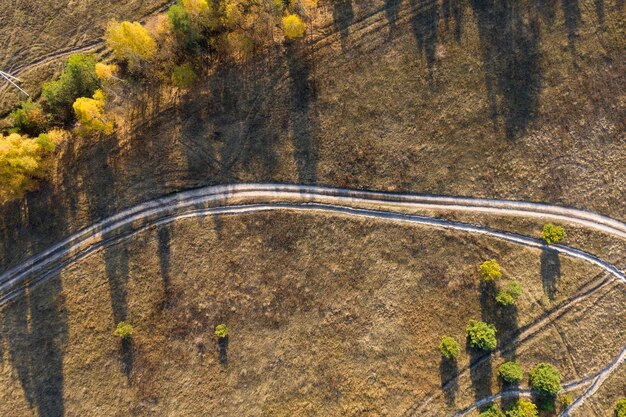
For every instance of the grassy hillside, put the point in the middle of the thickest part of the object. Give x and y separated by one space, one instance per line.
328 316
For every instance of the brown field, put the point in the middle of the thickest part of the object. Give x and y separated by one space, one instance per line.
328 316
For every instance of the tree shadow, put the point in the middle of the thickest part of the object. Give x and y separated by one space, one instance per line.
449 372
127 354
571 13
117 269
550 272
302 123
165 238
453 10
424 24
343 16
222 348
36 345
511 61
392 11
481 370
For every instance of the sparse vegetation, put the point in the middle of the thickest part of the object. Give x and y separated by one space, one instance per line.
221 331
481 335
449 347
508 295
523 408
490 270
552 233
545 379
124 330
511 372
492 411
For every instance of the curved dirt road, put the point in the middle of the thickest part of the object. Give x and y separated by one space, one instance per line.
253 198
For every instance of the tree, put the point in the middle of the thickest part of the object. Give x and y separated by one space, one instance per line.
124 330
552 234
492 411
449 347
21 163
545 379
130 42
90 114
620 408
481 335
490 270
523 408
221 331
78 79
29 118
106 71
508 295
293 26
511 372
189 20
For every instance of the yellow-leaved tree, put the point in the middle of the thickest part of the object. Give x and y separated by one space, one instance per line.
106 71
90 114
293 26
21 162
130 42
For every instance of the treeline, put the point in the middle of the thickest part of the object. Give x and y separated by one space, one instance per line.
175 47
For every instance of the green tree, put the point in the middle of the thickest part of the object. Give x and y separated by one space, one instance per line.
511 372
130 42
78 79
221 331
545 379
449 347
552 234
492 411
481 335
508 295
29 118
490 270
124 330
523 408
620 408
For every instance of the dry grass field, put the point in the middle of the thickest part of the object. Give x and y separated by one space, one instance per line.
328 315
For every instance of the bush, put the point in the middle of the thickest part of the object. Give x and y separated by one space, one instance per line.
481 335
449 347
130 42
78 79
565 401
106 71
492 411
545 379
183 76
508 295
90 114
221 331
490 270
552 233
123 330
293 26
511 372
523 408
29 118
620 408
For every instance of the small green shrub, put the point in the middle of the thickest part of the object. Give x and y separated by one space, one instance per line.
183 76
552 233
123 330
221 331
29 118
481 335
545 379
78 79
490 270
508 295
449 347
523 408
492 411
620 408
511 372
